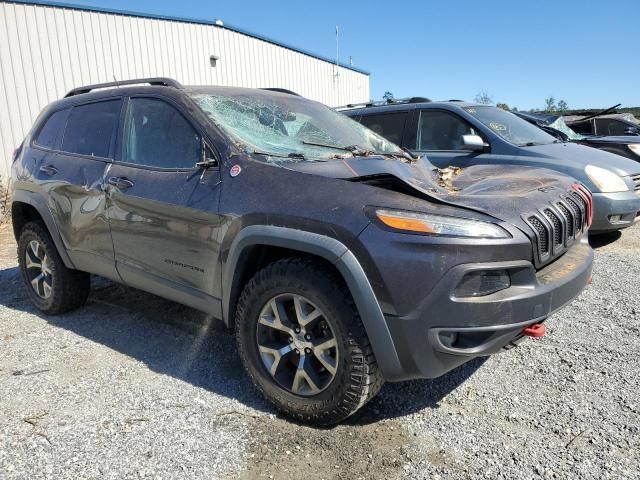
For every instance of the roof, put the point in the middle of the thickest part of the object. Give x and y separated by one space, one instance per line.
377 108
199 21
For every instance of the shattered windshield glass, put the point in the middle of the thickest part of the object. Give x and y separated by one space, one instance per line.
511 127
560 125
289 126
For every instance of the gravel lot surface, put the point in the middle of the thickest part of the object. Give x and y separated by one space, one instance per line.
133 386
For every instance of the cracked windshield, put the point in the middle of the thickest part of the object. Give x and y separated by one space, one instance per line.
290 127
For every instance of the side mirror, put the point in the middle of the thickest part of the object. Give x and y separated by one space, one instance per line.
473 143
207 159
632 131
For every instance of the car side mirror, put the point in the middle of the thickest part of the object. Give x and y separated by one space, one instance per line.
207 159
631 131
473 143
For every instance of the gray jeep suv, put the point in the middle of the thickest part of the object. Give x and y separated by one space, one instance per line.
338 259
460 134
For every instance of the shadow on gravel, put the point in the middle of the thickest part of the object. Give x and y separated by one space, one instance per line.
404 398
604 239
186 344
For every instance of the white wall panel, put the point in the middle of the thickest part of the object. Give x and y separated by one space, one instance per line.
46 51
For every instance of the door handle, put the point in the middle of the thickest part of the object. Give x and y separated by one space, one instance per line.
49 170
120 182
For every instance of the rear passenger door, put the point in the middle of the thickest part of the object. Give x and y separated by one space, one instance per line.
438 136
77 146
163 210
389 125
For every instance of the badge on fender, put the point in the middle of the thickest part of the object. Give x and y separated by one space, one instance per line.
235 170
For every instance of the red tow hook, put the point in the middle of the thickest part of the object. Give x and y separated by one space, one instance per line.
536 330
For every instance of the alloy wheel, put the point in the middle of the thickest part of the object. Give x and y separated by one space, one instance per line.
297 345
38 269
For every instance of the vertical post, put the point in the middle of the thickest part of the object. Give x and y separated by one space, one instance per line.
337 79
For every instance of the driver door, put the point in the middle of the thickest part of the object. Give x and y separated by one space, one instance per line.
162 209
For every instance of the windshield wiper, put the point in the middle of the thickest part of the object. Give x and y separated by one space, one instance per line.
358 152
350 148
291 155
535 144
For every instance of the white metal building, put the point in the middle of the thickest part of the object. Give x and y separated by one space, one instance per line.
48 48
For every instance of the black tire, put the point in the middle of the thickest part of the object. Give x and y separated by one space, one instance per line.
68 289
356 379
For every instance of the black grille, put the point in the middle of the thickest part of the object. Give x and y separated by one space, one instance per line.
543 234
557 226
569 218
578 214
636 182
580 201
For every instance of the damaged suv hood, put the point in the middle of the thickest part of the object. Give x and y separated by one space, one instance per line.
505 192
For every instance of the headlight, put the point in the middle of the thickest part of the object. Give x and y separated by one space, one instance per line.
439 224
605 180
635 148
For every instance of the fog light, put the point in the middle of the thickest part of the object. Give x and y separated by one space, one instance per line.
448 338
615 218
479 284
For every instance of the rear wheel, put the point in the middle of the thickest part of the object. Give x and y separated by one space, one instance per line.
303 344
51 286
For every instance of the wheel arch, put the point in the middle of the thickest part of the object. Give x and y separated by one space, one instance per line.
29 206
281 241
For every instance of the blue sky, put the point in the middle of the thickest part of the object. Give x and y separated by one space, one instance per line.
583 52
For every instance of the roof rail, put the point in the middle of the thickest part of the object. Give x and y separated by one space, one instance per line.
395 101
281 90
157 81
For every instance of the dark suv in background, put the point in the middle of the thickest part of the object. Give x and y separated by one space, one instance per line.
339 260
461 134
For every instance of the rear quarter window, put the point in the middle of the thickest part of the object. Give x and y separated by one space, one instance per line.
91 128
52 129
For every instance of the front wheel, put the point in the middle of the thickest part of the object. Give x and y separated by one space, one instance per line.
303 344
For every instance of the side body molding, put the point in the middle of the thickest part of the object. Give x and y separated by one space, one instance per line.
339 255
38 202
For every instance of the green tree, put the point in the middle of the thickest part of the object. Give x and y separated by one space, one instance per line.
550 104
503 106
562 106
388 97
484 98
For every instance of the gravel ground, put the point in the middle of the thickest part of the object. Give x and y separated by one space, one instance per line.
133 386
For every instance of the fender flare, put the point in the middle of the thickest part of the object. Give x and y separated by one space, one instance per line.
347 264
38 202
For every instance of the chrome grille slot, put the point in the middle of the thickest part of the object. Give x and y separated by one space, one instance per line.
636 182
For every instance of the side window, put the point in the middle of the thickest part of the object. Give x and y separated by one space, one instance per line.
91 128
609 126
388 125
441 131
584 128
52 128
157 135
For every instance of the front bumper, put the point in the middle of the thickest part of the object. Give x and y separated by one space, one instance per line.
606 205
484 325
